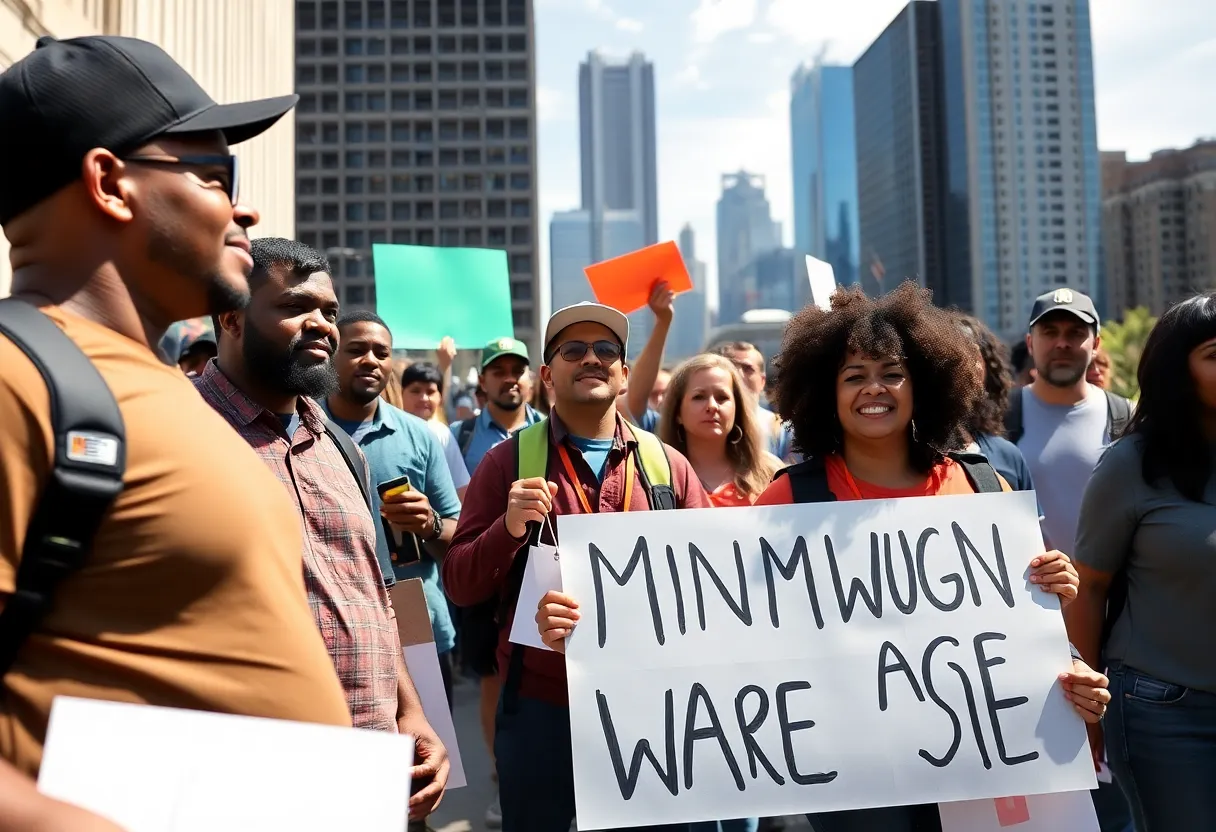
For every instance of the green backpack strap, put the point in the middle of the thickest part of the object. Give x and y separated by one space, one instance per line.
532 453
655 469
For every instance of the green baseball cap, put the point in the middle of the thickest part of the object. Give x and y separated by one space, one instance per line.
503 346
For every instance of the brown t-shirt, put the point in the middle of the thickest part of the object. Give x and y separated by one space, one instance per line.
193 595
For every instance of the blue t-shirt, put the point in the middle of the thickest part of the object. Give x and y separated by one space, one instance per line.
595 453
398 444
1007 460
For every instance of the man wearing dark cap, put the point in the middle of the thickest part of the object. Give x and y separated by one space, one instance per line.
1061 423
118 193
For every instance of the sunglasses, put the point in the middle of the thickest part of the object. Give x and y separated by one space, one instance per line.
606 351
209 171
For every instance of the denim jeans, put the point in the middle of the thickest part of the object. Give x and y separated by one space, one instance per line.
741 825
886 819
1161 745
536 768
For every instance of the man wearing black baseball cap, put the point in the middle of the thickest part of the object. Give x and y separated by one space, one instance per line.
118 192
1061 423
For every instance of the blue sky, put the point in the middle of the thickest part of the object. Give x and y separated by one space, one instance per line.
722 70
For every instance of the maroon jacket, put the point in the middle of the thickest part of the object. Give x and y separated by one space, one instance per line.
480 555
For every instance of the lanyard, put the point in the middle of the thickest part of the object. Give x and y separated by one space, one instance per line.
578 485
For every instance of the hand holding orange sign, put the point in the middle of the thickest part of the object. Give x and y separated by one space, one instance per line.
625 282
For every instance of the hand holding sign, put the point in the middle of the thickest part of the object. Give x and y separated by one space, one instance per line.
1086 689
662 300
1053 572
556 616
627 282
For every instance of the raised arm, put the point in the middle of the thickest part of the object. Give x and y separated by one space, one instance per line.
645 371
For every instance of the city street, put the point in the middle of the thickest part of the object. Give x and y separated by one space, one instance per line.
464 810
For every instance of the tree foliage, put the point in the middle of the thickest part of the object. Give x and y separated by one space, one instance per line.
1124 342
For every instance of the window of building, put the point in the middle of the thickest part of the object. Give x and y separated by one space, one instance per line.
402 183
329 239
517 70
399 73
399 14
447 14
447 99
470 44
470 71
495 99
472 157
329 185
306 75
472 182
422 73
400 102
376 184
497 236
472 209
422 14
354 14
401 159
494 44
517 43
447 45
424 132
375 102
306 186
306 16
520 235
354 102
424 159
422 101
426 237
496 156
375 73
446 71
422 46
329 15
355 239
472 236
449 210
470 99
449 236
375 46
376 159
354 73
329 102
354 158
519 128
354 185
521 290
424 185
401 131
401 46
492 12
402 236
521 208
496 129
424 210
516 14
521 181
496 208
496 182
329 212
449 158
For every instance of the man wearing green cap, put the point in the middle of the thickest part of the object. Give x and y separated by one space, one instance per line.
504 362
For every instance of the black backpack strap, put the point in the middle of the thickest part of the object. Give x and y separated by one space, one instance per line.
660 497
1013 416
980 473
1118 414
353 461
808 481
464 434
89 460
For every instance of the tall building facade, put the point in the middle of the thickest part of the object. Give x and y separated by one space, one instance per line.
1022 166
745 230
897 94
690 322
570 250
234 48
825 166
1159 227
417 125
617 143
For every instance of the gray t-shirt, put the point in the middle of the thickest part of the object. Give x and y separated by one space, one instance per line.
1061 445
1167 545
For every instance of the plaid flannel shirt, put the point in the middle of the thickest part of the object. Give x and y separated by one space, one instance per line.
345 586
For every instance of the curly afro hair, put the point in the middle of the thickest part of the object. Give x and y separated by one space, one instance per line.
901 324
988 413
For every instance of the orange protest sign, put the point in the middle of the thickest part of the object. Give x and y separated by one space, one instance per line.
625 282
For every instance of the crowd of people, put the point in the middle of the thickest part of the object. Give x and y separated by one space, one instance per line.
277 477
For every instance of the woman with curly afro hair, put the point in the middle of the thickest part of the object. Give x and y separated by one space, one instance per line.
878 391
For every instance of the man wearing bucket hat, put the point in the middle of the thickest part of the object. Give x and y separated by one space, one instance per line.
583 458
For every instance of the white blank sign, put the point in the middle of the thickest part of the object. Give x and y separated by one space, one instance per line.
769 661
170 770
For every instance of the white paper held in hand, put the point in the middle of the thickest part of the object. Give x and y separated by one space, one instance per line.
153 769
542 574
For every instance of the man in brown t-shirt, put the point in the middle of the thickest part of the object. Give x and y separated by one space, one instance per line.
122 214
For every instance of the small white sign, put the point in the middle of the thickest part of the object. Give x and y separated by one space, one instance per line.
1071 811
152 769
423 664
823 282
542 574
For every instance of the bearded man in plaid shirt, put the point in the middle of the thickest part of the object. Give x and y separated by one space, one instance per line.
275 357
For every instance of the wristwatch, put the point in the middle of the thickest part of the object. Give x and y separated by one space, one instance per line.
436 526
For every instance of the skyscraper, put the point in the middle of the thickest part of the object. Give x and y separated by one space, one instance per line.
1159 227
745 229
417 124
211 39
617 143
897 91
1022 166
825 166
690 323
570 250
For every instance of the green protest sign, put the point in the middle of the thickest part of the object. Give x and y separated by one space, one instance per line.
425 293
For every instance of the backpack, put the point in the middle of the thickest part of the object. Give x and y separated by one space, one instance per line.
464 434
1118 414
89 459
809 479
532 460
87 468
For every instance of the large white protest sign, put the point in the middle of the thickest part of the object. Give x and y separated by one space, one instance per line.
770 661
173 770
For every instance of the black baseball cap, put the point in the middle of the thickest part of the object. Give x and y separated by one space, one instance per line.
70 96
1064 300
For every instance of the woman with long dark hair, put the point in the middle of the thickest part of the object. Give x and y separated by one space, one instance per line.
984 430
1146 552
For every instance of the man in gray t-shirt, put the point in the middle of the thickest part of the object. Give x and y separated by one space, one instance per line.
1064 428
1062 444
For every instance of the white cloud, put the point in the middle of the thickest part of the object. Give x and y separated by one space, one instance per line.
690 78
630 24
839 25
714 18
